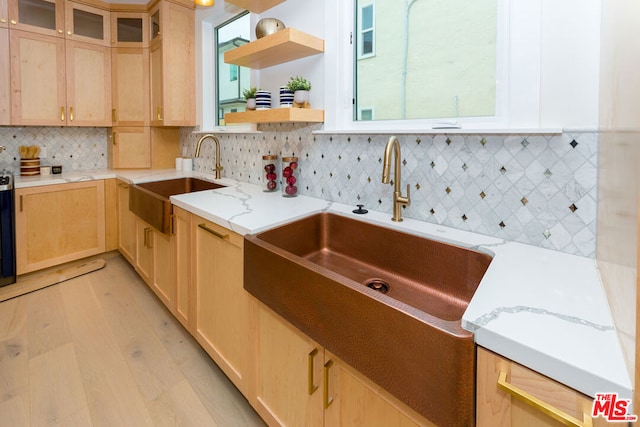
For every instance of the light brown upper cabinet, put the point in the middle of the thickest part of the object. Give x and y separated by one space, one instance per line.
37 16
130 90
129 29
172 62
5 81
59 83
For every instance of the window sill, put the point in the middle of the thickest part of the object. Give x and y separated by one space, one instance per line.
251 128
448 131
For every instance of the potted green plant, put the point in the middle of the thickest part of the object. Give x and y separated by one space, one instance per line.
300 88
250 96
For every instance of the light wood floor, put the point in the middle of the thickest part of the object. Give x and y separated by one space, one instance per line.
101 350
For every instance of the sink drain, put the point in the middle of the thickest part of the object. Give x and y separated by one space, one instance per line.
378 285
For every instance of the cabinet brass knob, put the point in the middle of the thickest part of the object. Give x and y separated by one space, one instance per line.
14 22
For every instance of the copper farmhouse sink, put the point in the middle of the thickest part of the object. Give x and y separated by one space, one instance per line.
150 200
388 303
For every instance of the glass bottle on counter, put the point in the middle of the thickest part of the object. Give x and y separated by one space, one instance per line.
290 174
270 172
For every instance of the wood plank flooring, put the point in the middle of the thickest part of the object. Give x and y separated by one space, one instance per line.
102 350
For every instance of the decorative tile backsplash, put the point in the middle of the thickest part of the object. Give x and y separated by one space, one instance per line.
75 148
535 189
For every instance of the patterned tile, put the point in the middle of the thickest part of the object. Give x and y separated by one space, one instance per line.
76 149
551 173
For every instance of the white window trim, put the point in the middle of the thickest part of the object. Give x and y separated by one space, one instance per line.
517 102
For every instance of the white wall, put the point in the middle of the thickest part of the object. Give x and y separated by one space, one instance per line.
307 16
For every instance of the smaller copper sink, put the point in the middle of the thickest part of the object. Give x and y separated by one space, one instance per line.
150 200
388 303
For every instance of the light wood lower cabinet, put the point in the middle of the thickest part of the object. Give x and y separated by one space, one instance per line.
144 250
223 307
289 368
299 383
184 307
287 377
163 280
496 407
126 224
59 223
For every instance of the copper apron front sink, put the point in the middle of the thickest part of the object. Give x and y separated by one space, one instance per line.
150 200
388 303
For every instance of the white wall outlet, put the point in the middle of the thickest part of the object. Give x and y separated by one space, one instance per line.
43 152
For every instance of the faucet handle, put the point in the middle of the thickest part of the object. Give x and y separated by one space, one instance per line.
405 200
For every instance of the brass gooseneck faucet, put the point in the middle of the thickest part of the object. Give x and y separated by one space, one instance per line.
398 199
218 167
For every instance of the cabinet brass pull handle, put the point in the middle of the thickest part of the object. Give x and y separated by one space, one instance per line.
3 20
121 185
172 219
71 113
159 113
543 407
312 387
62 114
148 237
114 139
14 22
325 385
21 197
113 115
214 232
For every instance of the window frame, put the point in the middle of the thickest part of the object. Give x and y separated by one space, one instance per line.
341 111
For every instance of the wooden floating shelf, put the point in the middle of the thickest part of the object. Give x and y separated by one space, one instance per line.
276 115
255 6
280 47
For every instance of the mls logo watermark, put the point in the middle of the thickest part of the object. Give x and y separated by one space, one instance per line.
612 408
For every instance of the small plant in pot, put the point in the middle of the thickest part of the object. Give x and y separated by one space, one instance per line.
300 88
250 96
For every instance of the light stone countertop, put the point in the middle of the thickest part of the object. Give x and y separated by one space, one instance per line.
544 309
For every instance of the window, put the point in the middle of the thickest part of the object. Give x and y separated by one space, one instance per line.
435 60
367 35
231 79
366 114
233 72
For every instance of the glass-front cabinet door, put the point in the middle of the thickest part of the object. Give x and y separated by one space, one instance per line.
37 16
155 23
87 24
129 29
4 14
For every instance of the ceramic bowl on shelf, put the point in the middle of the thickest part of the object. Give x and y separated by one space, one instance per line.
268 26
